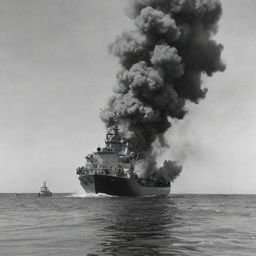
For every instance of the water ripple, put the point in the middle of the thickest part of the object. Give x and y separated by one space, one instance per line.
88 225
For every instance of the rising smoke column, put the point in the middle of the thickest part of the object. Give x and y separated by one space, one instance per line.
162 61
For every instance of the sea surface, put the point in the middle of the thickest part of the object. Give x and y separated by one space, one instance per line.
70 225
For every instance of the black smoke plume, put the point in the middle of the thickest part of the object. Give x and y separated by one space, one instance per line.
162 61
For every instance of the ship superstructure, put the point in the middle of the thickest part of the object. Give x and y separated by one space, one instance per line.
44 191
110 170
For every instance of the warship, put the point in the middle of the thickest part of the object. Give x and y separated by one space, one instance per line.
110 170
44 190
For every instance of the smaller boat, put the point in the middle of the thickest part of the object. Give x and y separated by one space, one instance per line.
44 190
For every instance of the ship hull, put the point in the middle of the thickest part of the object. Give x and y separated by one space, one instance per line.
45 194
118 186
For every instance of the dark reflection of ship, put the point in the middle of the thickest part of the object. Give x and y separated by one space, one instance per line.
142 227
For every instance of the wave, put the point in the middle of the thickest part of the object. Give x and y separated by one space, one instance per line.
89 195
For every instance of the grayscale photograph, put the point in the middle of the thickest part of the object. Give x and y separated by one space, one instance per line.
127 127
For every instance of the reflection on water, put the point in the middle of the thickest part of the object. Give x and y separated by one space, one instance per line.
178 225
143 227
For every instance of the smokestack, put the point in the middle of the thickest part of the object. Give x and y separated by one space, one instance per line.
162 61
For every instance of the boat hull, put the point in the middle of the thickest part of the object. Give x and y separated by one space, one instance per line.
119 186
45 194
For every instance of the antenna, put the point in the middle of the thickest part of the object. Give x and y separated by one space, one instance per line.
115 116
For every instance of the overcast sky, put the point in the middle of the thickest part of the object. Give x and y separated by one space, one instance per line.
56 74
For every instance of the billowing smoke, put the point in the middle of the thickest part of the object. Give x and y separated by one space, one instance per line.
162 61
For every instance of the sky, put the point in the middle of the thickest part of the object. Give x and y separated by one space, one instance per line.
56 74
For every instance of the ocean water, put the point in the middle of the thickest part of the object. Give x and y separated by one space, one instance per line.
103 225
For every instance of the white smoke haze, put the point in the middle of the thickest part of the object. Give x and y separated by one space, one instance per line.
162 62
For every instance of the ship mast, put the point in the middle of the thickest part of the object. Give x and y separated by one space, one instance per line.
113 139
115 124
